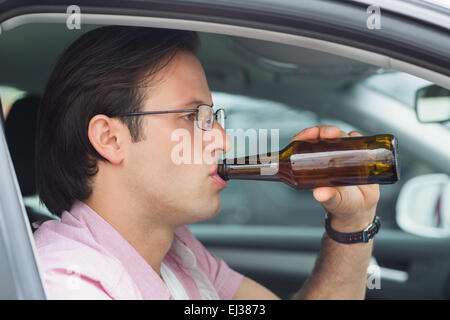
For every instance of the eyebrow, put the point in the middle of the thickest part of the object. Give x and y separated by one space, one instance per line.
193 102
183 106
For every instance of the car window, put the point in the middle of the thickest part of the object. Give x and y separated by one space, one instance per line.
267 203
246 68
274 203
8 96
399 86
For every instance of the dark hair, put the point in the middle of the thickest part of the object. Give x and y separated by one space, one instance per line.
103 72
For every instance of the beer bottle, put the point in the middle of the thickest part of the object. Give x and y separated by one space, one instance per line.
322 163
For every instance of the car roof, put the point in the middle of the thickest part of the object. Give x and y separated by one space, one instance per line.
435 12
431 11
30 52
340 23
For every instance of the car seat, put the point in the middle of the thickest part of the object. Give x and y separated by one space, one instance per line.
20 132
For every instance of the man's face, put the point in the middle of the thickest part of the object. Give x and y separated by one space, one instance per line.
180 193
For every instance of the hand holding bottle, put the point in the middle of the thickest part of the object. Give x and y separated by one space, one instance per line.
351 208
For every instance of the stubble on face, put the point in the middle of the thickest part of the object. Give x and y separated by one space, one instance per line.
182 193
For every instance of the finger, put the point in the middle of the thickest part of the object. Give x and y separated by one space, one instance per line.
307 134
329 132
371 193
323 194
320 132
354 134
343 134
327 196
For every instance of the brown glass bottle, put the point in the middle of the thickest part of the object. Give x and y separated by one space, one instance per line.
322 163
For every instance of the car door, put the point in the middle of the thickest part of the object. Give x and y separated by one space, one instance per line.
282 256
19 273
272 233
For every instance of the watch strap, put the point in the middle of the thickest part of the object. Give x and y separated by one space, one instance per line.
355 237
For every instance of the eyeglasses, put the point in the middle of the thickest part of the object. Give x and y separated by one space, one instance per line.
204 115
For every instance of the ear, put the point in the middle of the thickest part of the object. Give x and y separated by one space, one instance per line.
108 137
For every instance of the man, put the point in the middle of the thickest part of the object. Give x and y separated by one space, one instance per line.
105 164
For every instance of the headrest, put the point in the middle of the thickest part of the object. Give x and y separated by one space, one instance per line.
20 131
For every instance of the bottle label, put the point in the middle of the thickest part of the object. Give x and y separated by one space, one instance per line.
340 158
265 169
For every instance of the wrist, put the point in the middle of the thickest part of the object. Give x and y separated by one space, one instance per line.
351 237
354 224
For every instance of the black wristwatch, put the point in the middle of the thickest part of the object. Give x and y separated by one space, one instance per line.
356 237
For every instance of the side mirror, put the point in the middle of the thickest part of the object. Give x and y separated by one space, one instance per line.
432 104
423 206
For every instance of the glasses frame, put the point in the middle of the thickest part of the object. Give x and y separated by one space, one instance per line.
196 110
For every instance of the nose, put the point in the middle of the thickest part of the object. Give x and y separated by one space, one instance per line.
226 141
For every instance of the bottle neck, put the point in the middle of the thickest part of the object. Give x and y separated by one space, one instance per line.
260 167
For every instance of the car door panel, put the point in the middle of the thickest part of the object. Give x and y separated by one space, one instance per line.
19 274
282 258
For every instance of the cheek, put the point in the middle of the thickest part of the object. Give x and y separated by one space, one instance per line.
168 155
146 160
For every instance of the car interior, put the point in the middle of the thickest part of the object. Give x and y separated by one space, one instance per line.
268 231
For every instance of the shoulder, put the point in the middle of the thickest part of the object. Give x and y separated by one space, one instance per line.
73 265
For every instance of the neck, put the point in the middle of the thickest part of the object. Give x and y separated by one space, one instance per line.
150 239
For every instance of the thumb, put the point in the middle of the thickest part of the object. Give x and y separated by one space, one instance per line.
329 197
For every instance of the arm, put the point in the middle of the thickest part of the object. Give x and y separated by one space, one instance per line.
252 290
340 271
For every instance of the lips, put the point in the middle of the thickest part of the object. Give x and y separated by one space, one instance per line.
214 171
217 179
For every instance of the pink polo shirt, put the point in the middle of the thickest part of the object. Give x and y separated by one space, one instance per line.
84 257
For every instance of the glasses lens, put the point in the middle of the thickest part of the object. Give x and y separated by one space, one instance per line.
220 116
205 117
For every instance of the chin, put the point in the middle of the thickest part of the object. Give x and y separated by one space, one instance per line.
207 212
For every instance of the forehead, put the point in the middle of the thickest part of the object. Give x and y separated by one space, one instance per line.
183 80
